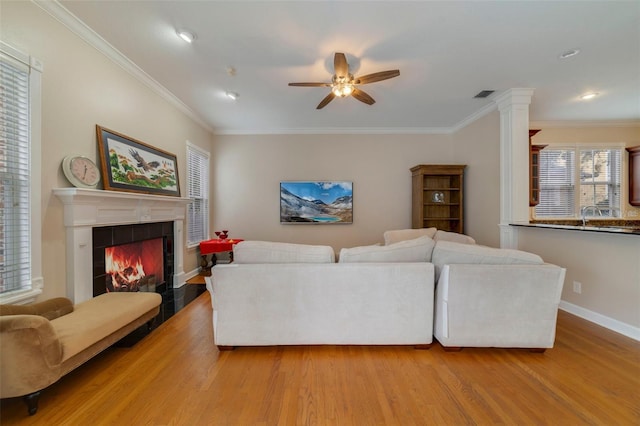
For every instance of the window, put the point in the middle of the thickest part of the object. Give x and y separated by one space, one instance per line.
198 184
20 235
577 180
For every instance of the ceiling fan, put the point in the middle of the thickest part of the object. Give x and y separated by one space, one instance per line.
343 83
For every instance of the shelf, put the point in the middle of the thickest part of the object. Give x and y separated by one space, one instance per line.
433 183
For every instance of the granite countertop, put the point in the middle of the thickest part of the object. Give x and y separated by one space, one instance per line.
612 226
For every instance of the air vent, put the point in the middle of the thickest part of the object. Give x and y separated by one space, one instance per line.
484 94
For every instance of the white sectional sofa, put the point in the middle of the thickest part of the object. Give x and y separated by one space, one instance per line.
290 294
488 297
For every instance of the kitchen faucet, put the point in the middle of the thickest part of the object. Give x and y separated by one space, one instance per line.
585 209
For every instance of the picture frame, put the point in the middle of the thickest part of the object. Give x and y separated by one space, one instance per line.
130 165
316 202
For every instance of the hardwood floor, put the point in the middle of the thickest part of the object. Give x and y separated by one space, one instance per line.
176 376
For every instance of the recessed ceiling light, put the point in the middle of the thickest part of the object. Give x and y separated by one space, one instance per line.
232 95
589 95
187 36
569 53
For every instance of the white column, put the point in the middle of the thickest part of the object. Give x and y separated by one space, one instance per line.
514 162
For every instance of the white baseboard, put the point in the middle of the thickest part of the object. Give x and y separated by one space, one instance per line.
606 322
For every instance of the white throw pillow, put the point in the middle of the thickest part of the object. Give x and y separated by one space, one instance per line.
416 250
397 235
449 252
274 252
453 236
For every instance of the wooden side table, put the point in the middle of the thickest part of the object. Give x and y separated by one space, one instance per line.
211 247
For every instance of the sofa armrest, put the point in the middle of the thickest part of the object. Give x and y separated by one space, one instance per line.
498 305
31 354
50 309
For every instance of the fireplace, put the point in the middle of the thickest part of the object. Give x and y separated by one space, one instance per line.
135 266
137 257
95 219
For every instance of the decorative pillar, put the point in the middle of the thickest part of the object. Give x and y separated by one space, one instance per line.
514 162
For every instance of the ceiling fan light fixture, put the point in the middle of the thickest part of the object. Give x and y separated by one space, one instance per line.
186 35
342 89
342 86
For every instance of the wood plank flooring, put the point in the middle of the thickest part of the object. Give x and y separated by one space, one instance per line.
176 376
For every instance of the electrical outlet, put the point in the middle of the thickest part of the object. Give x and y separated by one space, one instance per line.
632 213
577 287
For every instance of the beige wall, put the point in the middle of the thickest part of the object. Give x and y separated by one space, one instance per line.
247 171
629 136
608 266
82 88
478 146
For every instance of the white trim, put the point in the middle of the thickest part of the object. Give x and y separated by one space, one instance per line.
475 116
21 297
35 179
341 131
590 123
602 320
73 23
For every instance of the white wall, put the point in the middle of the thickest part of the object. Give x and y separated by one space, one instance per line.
82 88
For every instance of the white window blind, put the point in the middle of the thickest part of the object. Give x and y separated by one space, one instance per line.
198 184
574 178
15 263
600 172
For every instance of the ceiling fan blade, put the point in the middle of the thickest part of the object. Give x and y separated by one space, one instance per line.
340 66
377 76
310 84
326 100
362 97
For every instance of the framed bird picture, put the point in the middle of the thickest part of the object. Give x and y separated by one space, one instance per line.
134 166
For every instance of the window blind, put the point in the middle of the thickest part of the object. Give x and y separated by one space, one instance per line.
198 187
15 267
600 171
571 179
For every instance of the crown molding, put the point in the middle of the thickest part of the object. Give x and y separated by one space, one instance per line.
340 131
584 123
475 116
73 23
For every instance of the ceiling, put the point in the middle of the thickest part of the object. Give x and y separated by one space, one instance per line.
446 52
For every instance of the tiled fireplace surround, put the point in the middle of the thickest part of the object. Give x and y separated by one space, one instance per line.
86 209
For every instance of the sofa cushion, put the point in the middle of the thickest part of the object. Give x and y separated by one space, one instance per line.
94 319
453 236
397 235
449 252
416 250
275 252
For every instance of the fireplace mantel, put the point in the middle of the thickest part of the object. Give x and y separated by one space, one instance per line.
85 209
